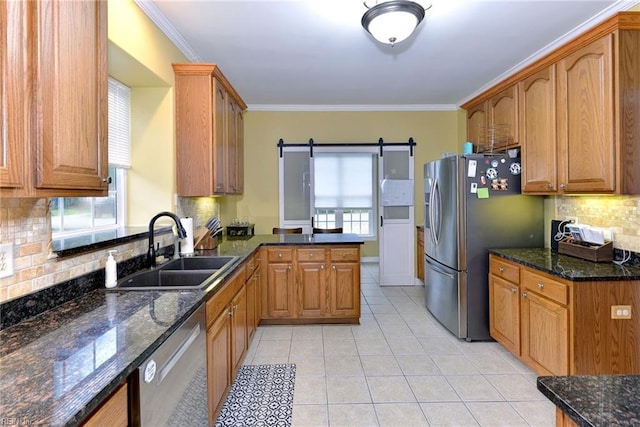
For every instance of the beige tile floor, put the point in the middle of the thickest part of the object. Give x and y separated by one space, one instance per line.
400 367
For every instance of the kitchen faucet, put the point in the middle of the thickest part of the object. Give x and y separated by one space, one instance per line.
182 233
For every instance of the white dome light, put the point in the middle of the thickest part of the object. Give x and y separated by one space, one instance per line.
393 21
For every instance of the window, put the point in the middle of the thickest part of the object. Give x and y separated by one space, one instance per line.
74 215
343 192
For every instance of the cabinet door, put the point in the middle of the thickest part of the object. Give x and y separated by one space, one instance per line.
280 290
585 127
234 147
545 335
15 92
344 289
219 138
504 313
312 289
218 361
71 95
476 124
252 298
537 99
238 328
503 113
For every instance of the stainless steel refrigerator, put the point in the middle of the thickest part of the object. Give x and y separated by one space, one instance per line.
472 203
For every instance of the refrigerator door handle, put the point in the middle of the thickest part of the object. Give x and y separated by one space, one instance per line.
435 216
431 224
437 270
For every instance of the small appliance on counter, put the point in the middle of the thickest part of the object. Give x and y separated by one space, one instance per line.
240 229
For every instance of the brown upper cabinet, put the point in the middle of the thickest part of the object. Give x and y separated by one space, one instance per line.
209 132
578 118
54 103
493 124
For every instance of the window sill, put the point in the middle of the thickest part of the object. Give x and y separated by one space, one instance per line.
89 242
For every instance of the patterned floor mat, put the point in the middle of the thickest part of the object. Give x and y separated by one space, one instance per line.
262 395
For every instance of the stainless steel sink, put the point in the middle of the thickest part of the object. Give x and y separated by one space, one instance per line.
183 273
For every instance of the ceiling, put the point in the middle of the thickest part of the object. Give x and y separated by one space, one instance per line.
315 55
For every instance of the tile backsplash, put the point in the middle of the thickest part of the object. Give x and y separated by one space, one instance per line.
26 224
620 213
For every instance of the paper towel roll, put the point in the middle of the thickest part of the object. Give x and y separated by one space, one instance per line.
186 244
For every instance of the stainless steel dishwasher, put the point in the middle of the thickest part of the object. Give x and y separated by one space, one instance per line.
170 387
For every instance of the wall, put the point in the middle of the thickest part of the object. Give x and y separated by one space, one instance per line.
139 56
621 213
433 131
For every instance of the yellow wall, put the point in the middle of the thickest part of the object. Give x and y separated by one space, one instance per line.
433 131
140 56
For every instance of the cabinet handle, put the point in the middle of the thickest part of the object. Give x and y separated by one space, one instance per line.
524 295
513 290
540 285
501 270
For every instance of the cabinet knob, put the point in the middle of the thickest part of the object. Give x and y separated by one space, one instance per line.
524 295
279 255
333 266
321 266
344 254
550 186
514 290
540 285
230 312
311 255
563 186
107 180
501 269
289 268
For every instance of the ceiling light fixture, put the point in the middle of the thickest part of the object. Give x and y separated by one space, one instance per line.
392 21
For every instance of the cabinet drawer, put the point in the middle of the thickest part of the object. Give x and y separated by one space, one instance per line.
505 270
543 285
308 254
279 254
344 254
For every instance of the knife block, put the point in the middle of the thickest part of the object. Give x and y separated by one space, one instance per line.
202 239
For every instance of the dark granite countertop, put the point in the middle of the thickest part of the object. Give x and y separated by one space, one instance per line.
598 401
56 368
568 267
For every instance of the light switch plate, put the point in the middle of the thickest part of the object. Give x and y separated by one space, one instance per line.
6 260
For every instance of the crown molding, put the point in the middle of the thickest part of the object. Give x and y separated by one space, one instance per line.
161 21
419 107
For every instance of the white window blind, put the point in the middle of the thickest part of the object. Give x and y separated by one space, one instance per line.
119 124
343 180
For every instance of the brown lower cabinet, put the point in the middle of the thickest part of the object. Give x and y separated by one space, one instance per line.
561 327
311 284
226 338
112 412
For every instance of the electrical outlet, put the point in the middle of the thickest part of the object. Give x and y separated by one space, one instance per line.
621 312
6 260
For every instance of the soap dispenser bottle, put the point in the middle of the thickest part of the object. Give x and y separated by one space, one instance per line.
110 271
